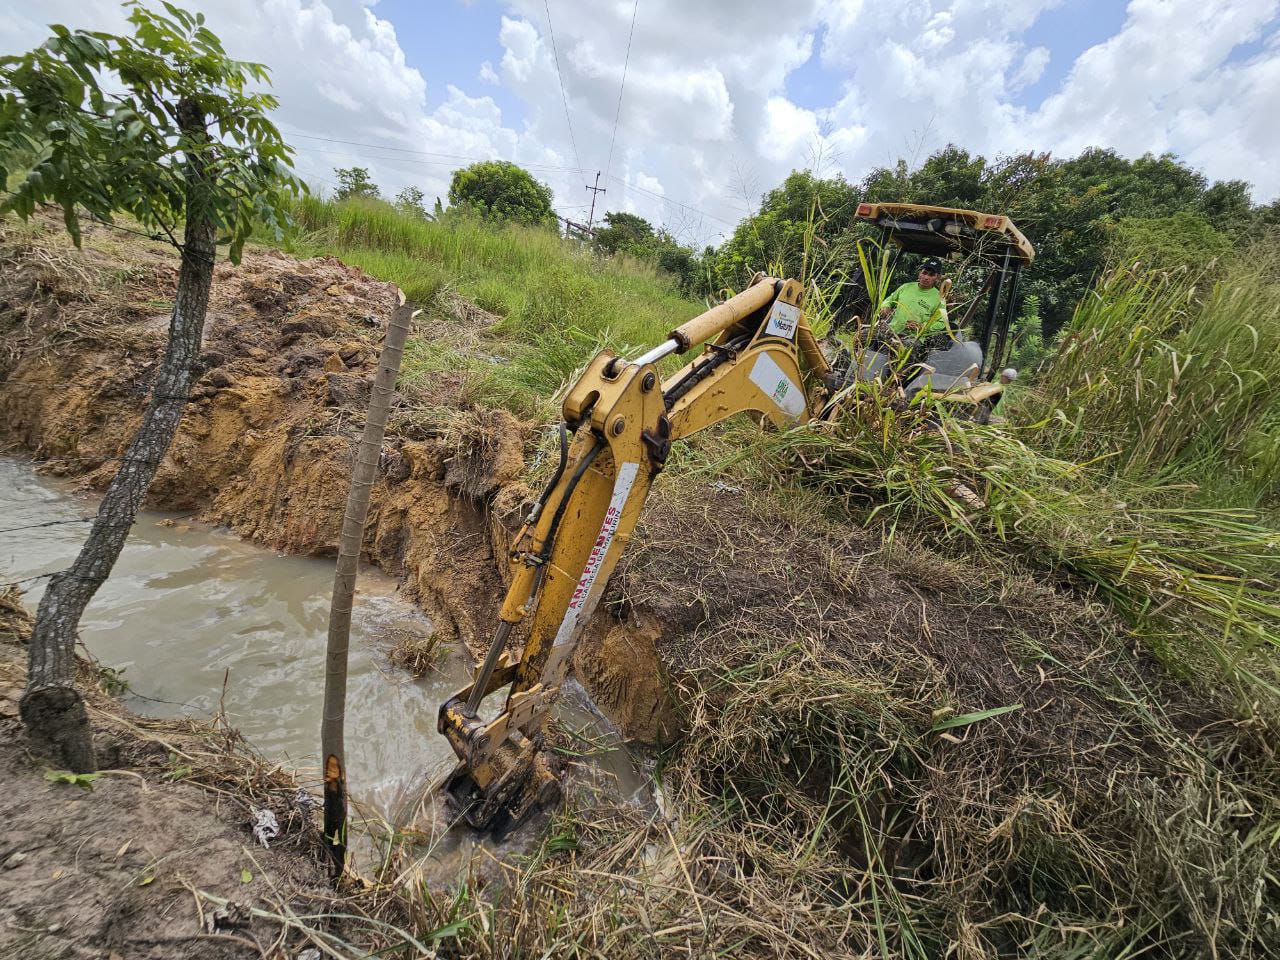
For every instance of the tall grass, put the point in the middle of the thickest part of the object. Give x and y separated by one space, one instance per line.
557 302
1200 584
820 807
1174 376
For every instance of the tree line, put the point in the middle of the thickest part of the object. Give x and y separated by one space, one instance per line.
1079 212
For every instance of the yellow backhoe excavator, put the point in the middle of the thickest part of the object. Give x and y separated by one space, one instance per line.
619 421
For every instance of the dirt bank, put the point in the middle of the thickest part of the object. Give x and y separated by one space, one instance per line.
265 447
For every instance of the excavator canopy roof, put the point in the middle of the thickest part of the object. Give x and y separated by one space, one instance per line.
941 231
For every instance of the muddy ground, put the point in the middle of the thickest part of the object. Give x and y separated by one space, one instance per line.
138 863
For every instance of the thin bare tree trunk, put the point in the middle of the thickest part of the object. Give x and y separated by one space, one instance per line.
363 473
52 708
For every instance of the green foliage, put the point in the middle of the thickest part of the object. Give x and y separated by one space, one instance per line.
84 781
804 229
556 302
631 235
1227 207
413 201
1028 347
1184 239
625 233
159 126
113 681
1173 375
500 190
1074 211
355 183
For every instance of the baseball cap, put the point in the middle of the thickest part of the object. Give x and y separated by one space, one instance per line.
932 264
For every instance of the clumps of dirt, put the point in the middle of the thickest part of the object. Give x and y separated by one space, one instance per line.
139 860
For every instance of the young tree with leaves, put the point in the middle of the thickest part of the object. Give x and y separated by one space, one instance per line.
412 200
500 190
158 126
355 183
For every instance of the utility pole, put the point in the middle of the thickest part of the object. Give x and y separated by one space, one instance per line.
591 219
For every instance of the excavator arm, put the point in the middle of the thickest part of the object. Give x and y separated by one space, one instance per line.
619 421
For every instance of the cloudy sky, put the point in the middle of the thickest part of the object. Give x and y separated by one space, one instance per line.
722 99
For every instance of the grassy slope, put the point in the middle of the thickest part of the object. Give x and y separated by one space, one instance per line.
558 303
1097 865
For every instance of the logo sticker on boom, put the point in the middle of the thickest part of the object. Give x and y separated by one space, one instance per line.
612 517
783 320
777 386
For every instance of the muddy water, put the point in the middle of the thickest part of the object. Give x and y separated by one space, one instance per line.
198 620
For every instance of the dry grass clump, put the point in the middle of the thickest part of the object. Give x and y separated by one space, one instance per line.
69 297
415 651
826 807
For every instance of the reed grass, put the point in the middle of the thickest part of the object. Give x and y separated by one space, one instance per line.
1173 376
1200 584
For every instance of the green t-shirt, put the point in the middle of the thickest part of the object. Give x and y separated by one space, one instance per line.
912 302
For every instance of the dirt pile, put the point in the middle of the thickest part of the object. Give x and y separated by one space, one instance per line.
265 447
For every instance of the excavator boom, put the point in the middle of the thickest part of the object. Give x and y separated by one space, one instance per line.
619 421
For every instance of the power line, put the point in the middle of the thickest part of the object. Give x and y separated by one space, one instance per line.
665 199
423 153
537 168
563 96
608 167
545 168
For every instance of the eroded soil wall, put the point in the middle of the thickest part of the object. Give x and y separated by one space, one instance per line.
266 445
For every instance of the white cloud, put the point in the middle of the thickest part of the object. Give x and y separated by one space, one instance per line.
1164 83
707 124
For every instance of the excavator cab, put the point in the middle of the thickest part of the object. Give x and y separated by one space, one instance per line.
989 252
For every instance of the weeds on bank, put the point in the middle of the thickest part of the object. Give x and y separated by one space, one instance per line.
818 810
1173 376
1201 585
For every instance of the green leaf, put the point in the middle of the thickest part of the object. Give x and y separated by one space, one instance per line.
964 719
145 881
449 930
82 780
245 876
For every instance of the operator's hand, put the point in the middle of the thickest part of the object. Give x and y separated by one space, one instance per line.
884 312
913 326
